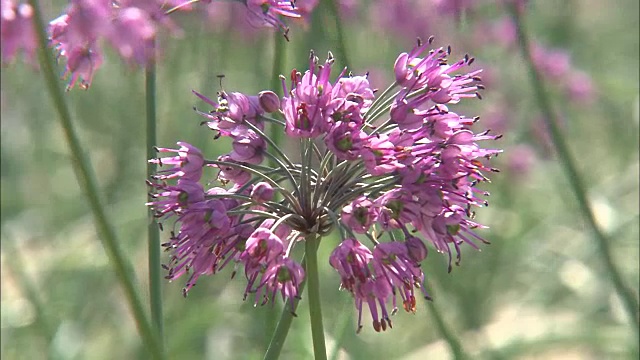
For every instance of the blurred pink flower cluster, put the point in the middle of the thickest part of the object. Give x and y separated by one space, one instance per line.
17 33
129 26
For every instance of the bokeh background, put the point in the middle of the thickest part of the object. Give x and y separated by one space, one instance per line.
538 291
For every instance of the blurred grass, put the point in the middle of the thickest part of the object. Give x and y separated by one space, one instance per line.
537 292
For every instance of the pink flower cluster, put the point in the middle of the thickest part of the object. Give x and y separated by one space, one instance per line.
129 26
400 166
16 31
555 65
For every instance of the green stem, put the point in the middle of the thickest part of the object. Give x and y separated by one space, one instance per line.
313 292
30 290
279 57
568 164
282 329
449 337
153 232
333 7
86 180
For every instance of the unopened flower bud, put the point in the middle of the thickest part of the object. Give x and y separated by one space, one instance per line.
417 249
262 192
269 101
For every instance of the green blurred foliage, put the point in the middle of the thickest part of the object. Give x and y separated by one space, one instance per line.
538 291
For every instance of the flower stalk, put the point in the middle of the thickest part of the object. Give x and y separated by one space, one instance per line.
153 232
86 179
313 292
568 163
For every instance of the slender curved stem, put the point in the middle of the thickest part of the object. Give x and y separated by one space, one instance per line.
313 293
575 180
282 329
153 232
449 337
86 180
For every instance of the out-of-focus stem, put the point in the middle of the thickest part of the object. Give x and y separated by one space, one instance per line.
449 337
29 289
279 57
342 47
313 292
86 180
575 180
153 233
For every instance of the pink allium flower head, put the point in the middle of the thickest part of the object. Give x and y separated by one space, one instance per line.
130 26
16 31
402 169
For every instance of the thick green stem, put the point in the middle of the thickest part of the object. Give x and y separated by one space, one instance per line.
153 232
282 329
86 179
313 293
575 180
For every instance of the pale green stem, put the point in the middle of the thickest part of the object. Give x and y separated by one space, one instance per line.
153 232
86 179
282 329
575 180
313 294
342 47
449 337
279 58
29 289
